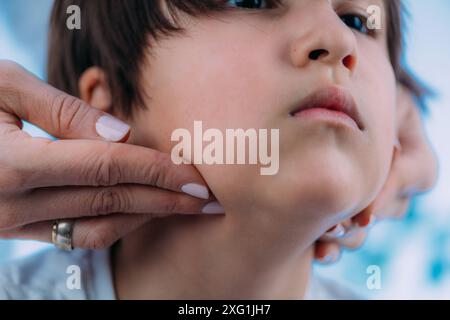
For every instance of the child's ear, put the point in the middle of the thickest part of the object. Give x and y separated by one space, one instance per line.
94 89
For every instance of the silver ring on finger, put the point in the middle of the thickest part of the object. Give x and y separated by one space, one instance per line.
62 231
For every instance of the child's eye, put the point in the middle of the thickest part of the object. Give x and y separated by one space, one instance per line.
249 4
356 22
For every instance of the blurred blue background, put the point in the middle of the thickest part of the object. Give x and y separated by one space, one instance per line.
413 254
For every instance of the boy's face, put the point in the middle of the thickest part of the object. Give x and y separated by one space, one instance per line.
253 69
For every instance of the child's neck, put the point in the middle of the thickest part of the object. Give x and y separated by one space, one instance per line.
210 257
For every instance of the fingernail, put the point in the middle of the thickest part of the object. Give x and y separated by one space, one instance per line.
337 232
213 208
367 223
111 129
329 258
196 190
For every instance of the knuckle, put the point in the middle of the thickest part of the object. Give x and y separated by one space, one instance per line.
99 238
158 171
68 112
427 185
430 175
9 70
8 219
11 181
10 83
125 199
106 172
172 205
106 201
16 173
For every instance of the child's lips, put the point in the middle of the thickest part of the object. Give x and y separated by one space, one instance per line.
331 103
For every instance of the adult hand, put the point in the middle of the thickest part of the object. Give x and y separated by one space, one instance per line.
413 171
91 175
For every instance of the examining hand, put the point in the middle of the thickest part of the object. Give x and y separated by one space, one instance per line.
91 175
413 171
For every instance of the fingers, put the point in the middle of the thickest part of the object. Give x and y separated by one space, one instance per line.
395 209
414 170
334 233
414 166
74 202
404 181
327 252
88 233
95 163
350 234
354 239
416 162
364 218
93 233
63 116
32 168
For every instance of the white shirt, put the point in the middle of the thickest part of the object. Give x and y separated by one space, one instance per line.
45 276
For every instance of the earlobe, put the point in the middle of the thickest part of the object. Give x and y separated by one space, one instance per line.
94 89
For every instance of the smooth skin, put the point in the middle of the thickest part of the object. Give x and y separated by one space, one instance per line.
413 172
74 177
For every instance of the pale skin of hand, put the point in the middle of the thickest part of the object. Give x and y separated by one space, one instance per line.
90 174
413 171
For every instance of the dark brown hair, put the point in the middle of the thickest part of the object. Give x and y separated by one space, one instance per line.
115 34
396 15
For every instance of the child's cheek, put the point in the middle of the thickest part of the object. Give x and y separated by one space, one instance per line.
377 85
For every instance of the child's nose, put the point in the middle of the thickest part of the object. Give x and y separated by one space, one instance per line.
325 40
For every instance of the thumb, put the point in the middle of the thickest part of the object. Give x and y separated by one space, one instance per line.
61 115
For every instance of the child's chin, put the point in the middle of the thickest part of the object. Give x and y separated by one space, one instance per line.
323 190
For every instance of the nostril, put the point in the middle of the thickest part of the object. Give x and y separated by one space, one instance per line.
316 54
349 62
